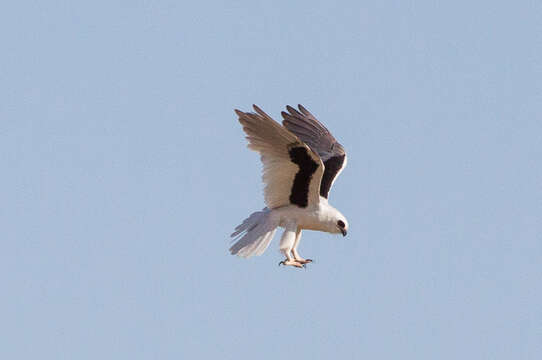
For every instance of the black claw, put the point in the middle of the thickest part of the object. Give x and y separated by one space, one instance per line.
281 263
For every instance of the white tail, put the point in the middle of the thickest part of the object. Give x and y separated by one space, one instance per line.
253 236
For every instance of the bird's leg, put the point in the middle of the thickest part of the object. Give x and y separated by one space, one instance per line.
296 255
286 244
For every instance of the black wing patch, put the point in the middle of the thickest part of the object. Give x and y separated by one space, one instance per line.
318 138
307 167
332 166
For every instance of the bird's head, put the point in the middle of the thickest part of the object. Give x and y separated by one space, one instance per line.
336 222
342 226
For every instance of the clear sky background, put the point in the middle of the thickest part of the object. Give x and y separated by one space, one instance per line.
125 170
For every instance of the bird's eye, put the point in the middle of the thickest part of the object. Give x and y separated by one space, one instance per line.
340 223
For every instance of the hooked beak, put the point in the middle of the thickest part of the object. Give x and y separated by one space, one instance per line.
344 232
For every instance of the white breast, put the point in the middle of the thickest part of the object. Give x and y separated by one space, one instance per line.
310 218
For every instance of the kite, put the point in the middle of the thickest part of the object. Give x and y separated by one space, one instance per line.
301 160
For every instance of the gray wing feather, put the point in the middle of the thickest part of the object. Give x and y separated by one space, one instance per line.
312 132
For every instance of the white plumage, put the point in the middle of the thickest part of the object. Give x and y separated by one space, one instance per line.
300 163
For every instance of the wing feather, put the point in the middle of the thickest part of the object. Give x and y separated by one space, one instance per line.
289 165
312 132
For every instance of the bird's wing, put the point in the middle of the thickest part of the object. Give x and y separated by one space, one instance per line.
313 133
292 172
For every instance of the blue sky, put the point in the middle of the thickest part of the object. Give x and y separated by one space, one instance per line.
125 170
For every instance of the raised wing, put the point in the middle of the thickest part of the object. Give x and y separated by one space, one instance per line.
292 172
313 133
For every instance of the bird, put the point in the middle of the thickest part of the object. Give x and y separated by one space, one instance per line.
301 161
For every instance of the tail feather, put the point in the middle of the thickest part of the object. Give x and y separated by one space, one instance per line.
254 234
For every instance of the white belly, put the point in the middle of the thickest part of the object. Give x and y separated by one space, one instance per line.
305 218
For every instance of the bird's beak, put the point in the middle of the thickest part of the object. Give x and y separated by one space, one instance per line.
344 232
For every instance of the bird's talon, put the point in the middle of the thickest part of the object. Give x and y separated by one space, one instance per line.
304 261
291 263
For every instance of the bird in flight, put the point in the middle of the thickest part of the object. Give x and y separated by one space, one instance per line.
301 160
